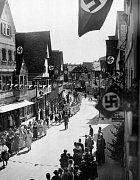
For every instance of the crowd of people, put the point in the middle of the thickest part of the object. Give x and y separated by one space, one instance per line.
79 166
82 164
15 139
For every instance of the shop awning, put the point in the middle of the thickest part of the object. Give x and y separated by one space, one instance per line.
13 106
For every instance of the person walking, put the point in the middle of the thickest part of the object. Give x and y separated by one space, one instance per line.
85 95
81 145
103 144
30 126
56 118
99 151
4 153
90 144
44 127
16 140
35 130
59 117
84 170
66 120
47 120
64 159
56 175
99 132
48 176
28 139
86 137
40 129
93 174
91 132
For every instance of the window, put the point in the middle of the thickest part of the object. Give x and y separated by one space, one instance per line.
3 83
0 83
3 54
5 29
40 85
21 82
8 82
9 56
15 57
21 79
8 30
25 80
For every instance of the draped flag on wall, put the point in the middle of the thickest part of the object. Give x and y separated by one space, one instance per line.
92 14
111 55
19 51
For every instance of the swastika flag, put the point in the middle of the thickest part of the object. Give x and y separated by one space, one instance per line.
110 102
111 55
92 14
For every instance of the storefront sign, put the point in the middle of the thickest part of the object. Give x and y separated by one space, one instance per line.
118 116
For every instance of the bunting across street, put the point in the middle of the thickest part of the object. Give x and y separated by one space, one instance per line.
92 14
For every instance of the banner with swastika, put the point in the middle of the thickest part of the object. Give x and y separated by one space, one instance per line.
92 15
109 104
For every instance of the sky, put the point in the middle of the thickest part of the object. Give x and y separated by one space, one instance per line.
60 17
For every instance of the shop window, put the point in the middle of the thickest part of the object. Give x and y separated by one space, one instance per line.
8 82
21 112
3 83
29 111
3 55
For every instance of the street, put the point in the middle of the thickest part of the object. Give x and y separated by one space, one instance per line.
45 153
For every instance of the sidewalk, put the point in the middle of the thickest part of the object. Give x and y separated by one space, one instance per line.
111 170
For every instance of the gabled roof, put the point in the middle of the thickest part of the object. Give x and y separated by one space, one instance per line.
97 66
35 49
2 4
80 69
57 58
89 65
